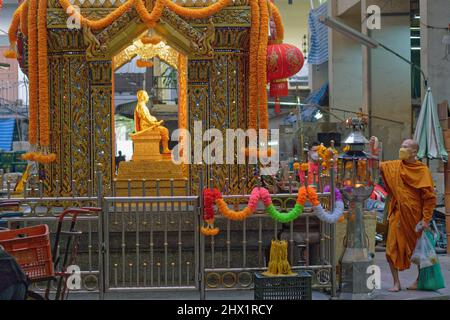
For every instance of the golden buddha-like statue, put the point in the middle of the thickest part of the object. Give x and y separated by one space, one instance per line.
144 121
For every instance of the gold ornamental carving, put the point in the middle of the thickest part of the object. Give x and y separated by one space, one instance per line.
204 45
94 48
147 52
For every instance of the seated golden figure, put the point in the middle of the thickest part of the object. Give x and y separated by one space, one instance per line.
144 121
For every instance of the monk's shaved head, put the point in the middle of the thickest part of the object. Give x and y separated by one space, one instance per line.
410 143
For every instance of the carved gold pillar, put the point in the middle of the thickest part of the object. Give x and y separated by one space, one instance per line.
81 119
217 95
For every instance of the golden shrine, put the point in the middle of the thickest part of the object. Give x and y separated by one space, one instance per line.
70 51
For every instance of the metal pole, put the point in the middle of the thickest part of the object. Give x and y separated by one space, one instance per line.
333 234
101 233
300 129
201 253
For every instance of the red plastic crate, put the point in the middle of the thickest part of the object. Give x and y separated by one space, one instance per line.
31 248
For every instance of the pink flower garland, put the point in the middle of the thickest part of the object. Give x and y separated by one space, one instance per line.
265 196
255 195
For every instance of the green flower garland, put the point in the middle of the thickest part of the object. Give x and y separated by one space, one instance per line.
293 214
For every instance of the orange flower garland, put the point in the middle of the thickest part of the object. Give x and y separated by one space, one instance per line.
313 197
302 195
182 105
327 155
12 33
24 19
231 214
143 64
149 19
253 65
44 136
151 40
278 22
33 71
197 13
262 64
10 54
101 23
209 231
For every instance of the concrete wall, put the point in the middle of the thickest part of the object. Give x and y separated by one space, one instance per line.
345 65
435 13
389 78
295 20
373 79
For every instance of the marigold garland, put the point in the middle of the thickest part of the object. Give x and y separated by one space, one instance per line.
262 64
24 19
313 197
143 63
149 19
10 54
327 155
44 134
197 13
33 71
12 33
100 23
302 195
278 22
14 27
231 214
155 39
209 231
253 65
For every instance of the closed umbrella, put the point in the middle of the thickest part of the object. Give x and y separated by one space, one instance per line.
429 132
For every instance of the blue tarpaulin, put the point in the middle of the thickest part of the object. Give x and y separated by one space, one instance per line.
318 98
6 134
318 45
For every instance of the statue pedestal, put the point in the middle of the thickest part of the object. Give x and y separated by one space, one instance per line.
146 145
129 181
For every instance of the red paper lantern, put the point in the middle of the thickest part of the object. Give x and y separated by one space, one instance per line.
283 61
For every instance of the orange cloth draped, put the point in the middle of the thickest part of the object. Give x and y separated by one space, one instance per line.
413 199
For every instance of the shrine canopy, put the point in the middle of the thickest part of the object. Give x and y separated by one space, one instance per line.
30 26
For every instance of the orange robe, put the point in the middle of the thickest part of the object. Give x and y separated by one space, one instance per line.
413 199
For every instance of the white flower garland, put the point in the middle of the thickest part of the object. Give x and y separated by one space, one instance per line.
328 217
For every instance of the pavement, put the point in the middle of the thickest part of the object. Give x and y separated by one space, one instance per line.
406 278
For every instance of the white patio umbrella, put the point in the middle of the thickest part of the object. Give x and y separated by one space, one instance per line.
429 132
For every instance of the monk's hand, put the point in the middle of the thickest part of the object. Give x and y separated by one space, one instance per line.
422 225
425 225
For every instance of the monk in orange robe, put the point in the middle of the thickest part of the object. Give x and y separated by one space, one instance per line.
413 199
